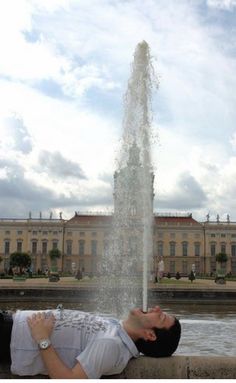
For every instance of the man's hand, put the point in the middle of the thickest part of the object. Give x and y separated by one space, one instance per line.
41 326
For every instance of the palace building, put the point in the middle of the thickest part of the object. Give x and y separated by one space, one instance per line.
179 239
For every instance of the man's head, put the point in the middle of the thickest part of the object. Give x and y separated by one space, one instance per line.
155 333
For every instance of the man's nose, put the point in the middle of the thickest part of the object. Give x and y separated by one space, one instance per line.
155 309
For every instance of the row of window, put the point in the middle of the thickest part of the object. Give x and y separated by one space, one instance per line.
20 232
197 249
213 235
34 247
68 233
172 249
132 248
213 249
186 267
184 235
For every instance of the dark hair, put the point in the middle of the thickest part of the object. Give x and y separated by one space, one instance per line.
166 343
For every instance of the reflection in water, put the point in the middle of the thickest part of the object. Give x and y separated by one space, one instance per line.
206 329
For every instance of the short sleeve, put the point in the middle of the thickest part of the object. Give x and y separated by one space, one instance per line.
100 357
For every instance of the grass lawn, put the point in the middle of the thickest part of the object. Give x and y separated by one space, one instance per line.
173 281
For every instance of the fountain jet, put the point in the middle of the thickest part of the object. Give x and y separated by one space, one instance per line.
128 254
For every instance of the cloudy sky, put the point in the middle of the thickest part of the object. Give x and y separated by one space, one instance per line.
63 73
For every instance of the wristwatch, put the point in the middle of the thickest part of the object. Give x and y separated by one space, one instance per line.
44 344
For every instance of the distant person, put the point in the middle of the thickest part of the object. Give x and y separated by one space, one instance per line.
193 269
79 275
73 344
160 270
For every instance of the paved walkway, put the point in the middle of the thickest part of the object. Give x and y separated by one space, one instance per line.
71 282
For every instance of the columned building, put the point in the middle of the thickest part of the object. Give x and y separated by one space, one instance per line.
179 239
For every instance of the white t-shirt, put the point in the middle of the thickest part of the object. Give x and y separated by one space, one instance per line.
100 344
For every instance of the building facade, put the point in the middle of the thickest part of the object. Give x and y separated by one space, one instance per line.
180 240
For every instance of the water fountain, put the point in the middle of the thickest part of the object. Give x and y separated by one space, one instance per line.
126 262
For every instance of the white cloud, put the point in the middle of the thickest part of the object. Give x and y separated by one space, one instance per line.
64 68
222 4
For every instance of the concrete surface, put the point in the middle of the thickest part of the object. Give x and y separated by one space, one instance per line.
175 367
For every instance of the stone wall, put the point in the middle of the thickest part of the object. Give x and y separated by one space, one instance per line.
175 367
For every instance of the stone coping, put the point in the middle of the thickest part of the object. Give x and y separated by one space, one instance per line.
175 367
71 282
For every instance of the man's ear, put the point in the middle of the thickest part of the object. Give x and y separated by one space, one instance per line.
149 335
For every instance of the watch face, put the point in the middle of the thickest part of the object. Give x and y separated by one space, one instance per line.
44 344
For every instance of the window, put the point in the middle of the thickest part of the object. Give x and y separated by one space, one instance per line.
68 265
82 233
81 247
19 246
233 250
34 232
223 248
172 267
45 232
19 232
197 267
233 235
160 249
34 247
44 247
81 265
7 247
223 235
185 267
68 247
55 233
172 249
213 249
94 248
213 235
184 249
197 249
7 232
44 265
213 265
54 245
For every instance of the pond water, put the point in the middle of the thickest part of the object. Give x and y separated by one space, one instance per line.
206 329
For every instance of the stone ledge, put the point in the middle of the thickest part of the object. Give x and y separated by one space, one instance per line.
175 367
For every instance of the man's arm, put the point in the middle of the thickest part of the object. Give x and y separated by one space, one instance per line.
41 328
57 369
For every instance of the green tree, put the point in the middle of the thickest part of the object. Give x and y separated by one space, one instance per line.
221 258
54 254
20 260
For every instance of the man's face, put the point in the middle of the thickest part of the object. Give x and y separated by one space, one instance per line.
155 317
